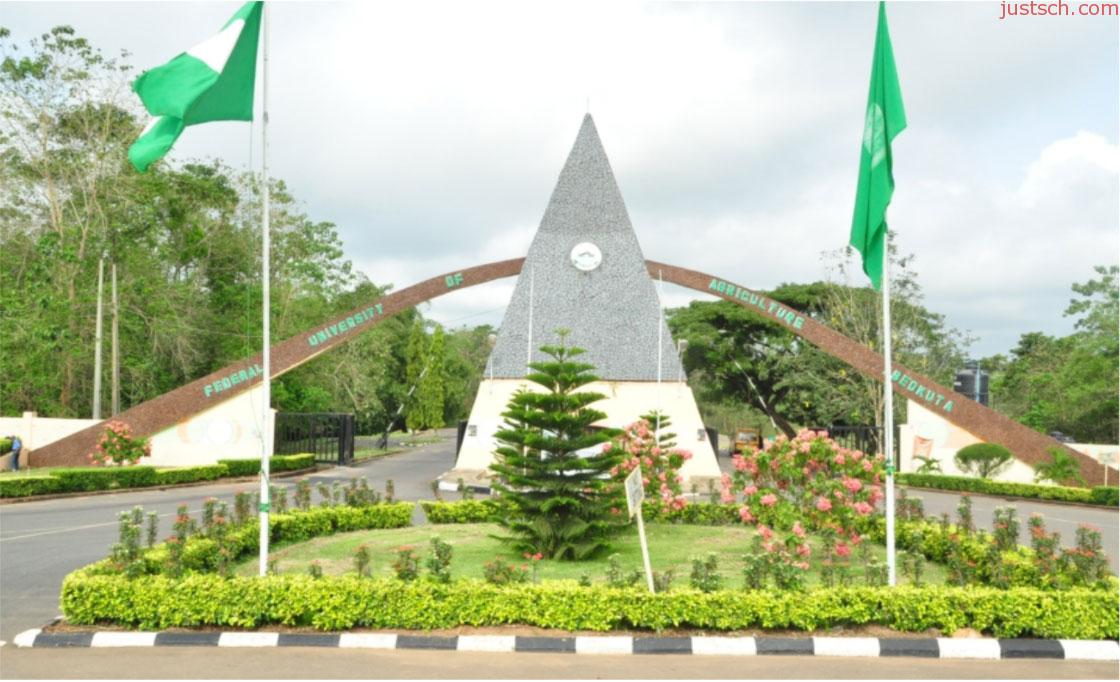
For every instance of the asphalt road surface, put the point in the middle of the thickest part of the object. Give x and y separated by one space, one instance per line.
304 663
41 542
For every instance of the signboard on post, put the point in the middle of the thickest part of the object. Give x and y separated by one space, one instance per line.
635 493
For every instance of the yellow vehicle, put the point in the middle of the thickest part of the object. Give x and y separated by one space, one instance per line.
745 437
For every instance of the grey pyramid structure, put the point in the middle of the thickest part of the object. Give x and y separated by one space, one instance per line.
612 311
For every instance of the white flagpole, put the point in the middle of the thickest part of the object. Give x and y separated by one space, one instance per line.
660 324
888 411
529 341
266 382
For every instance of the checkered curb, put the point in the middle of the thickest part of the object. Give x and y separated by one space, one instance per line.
872 647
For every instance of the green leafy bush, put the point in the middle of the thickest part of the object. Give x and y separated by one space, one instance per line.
983 459
276 464
1028 490
464 511
86 480
207 472
118 446
1105 494
341 602
26 486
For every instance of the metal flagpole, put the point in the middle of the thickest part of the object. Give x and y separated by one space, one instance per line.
660 324
266 383
888 409
529 343
97 341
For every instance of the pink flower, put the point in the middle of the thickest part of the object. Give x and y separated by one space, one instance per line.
765 532
842 549
655 451
804 447
838 460
823 504
725 496
804 566
769 500
745 514
660 476
803 550
862 508
607 447
867 465
751 489
739 463
798 530
853 485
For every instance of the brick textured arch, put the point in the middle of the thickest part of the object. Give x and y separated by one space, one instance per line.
202 394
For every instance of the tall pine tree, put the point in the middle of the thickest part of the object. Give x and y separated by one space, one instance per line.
554 496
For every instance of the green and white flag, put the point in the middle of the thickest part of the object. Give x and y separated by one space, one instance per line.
885 119
212 81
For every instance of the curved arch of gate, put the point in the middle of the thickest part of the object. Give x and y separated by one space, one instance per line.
202 394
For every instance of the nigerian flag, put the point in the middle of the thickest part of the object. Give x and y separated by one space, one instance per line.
212 81
885 119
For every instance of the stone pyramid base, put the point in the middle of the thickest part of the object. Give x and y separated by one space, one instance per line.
625 402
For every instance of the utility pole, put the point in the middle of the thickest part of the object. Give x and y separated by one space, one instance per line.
116 373
97 341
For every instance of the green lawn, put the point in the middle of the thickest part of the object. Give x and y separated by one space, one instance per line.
670 546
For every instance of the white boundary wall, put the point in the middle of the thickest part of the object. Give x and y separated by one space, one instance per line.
229 430
626 401
947 438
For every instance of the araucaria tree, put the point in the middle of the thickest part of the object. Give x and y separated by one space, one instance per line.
551 471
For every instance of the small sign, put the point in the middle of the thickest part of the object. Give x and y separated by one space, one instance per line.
1108 457
635 491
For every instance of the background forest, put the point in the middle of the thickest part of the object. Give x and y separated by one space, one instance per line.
185 241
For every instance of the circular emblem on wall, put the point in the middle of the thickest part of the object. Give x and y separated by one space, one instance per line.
586 256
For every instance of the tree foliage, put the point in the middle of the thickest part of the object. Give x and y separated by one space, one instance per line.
550 469
186 244
983 459
1068 383
737 355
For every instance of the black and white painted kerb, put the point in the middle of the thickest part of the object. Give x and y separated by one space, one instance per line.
872 647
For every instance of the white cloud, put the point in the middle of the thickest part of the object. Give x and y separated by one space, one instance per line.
432 134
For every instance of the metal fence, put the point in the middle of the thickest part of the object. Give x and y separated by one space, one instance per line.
864 437
327 435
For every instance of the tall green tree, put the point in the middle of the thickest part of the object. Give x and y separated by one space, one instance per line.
1068 383
416 356
550 469
430 392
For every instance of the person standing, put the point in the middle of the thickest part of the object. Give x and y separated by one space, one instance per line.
17 445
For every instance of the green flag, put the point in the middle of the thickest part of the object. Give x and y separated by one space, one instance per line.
885 119
213 81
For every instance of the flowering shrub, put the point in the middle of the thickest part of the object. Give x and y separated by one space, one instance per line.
808 478
117 446
660 462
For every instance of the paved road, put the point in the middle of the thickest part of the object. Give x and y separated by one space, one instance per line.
40 542
312 663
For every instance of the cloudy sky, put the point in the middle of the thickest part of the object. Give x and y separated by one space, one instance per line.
432 135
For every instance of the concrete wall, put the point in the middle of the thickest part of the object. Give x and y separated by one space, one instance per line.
626 401
229 430
925 428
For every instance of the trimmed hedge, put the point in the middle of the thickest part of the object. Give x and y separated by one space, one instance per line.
335 603
111 478
200 553
276 464
484 511
26 486
464 511
1107 495
207 472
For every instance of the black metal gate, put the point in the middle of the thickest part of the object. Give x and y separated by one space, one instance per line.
327 435
863 437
